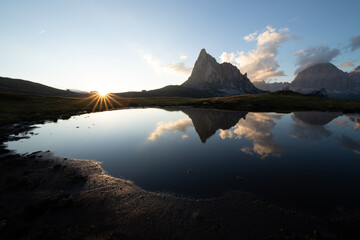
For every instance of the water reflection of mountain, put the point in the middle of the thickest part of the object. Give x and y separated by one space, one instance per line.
208 121
317 118
311 125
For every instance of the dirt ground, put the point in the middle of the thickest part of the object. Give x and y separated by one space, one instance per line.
48 197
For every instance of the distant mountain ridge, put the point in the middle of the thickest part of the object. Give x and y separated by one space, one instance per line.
271 87
218 79
327 77
28 87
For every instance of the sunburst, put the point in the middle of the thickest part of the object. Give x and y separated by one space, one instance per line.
100 101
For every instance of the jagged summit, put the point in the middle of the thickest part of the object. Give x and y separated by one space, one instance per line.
219 79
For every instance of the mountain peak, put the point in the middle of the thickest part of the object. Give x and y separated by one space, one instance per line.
203 51
357 69
219 79
321 67
321 75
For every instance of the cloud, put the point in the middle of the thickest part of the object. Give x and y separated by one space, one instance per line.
227 57
340 123
356 119
178 126
251 37
183 57
260 63
179 68
313 55
184 136
347 64
42 31
355 42
256 127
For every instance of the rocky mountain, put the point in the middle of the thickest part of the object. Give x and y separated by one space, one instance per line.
219 79
270 87
355 75
326 76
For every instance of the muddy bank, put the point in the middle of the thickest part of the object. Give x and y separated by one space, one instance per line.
47 197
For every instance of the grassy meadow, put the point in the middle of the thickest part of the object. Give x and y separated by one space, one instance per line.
15 108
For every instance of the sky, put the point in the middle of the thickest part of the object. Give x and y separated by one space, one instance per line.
117 46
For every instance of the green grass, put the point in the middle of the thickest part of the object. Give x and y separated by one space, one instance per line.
15 108
282 101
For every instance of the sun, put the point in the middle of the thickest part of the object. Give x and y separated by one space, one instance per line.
103 100
103 93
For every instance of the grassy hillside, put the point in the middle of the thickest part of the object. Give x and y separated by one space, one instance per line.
28 87
16 108
168 91
281 101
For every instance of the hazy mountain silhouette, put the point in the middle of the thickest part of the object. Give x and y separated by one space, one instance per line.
317 118
28 87
271 87
329 79
208 121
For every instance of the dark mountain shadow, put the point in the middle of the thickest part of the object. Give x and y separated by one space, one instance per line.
317 118
208 121
311 125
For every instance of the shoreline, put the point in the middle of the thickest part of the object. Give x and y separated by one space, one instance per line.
45 196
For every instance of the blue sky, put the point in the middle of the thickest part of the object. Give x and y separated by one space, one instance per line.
134 45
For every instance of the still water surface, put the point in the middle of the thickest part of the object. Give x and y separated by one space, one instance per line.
309 160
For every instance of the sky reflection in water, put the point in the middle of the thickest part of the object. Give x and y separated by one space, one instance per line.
302 159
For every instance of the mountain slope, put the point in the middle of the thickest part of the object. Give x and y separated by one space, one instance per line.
219 79
326 76
168 91
28 87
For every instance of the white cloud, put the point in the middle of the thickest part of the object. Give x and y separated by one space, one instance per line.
313 55
178 126
227 57
251 37
183 57
347 64
260 63
179 67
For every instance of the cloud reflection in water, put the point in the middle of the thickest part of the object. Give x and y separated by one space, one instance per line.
178 126
256 127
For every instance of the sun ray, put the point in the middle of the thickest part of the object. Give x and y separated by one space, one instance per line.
97 102
114 100
103 101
